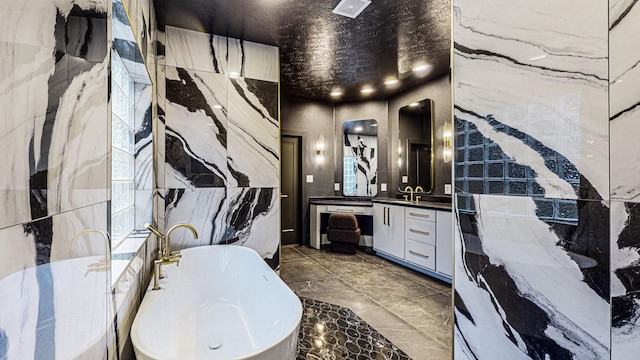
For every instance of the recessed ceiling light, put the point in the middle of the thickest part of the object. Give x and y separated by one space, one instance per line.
420 68
367 90
414 104
336 93
351 8
391 82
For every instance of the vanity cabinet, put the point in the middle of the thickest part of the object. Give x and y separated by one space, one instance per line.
444 243
416 237
420 237
388 229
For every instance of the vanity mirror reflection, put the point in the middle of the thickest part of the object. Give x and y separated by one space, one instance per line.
360 158
415 144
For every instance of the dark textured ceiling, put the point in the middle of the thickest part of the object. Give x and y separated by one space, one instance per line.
321 51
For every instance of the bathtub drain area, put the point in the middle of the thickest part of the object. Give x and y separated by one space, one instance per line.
215 344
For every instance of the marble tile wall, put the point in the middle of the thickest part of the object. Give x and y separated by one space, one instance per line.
532 247
54 190
218 145
624 114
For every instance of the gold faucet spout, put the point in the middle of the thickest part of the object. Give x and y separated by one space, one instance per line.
409 188
419 189
154 230
167 244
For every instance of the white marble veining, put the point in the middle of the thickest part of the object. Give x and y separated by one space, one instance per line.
198 122
542 272
205 209
625 99
144 137
195 50
541 69
253 142
253 217
254 61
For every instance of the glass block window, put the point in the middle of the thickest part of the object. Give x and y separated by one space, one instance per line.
481 167
349 175
122 150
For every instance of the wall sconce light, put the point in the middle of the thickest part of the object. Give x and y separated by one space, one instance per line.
447 137
320 150
399 153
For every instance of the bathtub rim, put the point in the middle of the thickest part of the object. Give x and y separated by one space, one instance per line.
148 351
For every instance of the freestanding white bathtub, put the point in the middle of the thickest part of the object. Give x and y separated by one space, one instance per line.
222 302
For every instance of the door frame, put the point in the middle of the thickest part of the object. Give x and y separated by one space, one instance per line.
301 189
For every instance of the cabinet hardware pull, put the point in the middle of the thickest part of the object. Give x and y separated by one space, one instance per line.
418 254
283 196
287 230
384 215
419 231
389 216
419 215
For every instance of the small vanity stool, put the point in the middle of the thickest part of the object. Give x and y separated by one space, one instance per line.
343 233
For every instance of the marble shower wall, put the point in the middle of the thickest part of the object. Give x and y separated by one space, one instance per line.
218 145
54 188
532 247
624 114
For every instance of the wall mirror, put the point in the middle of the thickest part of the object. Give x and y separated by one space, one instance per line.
360 158
415 145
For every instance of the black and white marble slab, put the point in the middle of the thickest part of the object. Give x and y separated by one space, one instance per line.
253 130
624 92
527 288
543 70
205 209
625 274
196 129
143 136
253 61
195 50
253 220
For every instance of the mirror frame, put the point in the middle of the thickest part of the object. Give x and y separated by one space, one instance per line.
404 144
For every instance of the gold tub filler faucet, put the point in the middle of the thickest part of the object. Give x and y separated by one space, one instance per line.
165 255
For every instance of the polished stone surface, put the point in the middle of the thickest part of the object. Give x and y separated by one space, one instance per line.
329 331
412 310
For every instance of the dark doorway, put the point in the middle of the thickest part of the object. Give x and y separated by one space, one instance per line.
290 205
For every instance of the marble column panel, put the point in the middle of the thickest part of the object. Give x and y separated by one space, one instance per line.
365 151
253 219
159 129
527 288
625 99
205 209
196 50
254 61
625 276
143 137
196 129
542 70
253 143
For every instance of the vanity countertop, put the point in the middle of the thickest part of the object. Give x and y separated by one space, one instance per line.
419 204
369 202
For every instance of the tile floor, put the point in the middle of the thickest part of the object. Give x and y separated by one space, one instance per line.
410 309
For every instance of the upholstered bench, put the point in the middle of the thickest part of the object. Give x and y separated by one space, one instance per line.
343 233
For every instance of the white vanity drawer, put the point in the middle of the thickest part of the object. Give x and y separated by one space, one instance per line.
420 230
423 255
420 214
